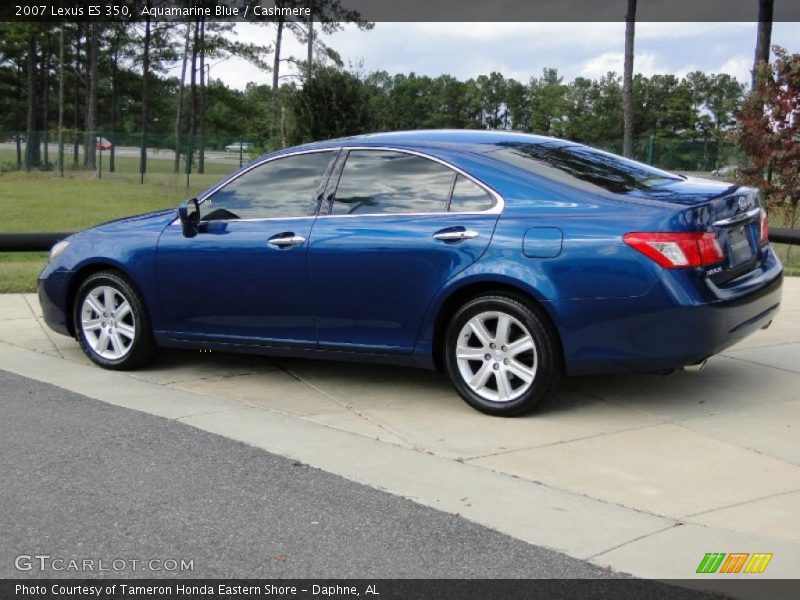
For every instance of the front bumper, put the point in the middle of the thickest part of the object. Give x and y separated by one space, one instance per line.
53 290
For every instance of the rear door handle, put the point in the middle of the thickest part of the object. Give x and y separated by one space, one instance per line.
455 234
286 240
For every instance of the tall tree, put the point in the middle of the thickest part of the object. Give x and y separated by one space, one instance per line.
627 80
46 54
77 91
328 16
769 133
179 110
201 157
331 16
193 96
120 48
763 37
61 98
32 156
89 152
276 69
145 97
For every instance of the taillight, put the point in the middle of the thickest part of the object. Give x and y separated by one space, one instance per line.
677 250
763 237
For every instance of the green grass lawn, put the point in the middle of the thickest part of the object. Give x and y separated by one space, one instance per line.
32 202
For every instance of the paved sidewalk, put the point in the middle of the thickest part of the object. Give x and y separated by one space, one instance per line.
131 485
642 473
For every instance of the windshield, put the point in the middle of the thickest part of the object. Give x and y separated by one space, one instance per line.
574 164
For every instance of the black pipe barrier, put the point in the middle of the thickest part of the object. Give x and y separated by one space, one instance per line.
42 242
784 236
30 242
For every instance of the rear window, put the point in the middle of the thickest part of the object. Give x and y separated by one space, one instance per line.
575 165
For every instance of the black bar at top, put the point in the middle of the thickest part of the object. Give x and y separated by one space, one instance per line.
466 11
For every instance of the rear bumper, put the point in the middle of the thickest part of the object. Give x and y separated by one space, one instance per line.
682 320
53 295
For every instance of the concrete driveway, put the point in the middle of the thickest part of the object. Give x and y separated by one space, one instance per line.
645 474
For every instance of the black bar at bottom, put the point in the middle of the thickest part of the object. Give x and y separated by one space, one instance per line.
397 589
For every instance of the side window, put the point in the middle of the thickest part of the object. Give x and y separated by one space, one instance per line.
380 181
468 196
284 187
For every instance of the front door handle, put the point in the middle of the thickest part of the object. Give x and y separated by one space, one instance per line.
455 234
286 240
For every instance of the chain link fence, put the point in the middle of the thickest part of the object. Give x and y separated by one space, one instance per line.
146 157
683 155
159 155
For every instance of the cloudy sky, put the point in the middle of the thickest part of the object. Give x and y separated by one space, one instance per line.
522 50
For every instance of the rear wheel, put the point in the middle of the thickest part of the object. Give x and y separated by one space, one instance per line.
501 356
111 322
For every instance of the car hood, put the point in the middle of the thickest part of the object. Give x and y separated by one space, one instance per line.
157 219
156 216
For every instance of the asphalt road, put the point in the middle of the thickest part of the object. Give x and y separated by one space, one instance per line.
82 479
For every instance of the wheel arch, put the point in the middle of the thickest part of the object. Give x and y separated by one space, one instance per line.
464 293
82 274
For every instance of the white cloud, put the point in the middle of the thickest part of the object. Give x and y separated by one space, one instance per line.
522 50
738 67
643 62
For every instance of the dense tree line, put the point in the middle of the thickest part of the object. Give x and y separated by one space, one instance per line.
112 78
336 102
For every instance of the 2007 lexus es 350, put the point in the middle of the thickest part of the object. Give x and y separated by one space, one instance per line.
505 259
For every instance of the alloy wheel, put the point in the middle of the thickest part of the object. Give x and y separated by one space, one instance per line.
496 356
107 322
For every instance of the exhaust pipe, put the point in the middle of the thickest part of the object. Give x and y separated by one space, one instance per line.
696 367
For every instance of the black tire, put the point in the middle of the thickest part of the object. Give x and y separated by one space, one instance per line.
138 351
543 361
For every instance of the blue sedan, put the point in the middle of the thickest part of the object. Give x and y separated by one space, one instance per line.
506 260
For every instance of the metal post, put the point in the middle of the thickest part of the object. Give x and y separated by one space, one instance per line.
650 146
142 158
241 151
188 158
100 163
61 99
61 150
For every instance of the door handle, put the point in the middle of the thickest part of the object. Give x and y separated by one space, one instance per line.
455 235
286 240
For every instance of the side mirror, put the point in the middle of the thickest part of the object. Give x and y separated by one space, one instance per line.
189 214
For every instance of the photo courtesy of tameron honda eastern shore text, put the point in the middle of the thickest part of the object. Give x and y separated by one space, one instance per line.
506 260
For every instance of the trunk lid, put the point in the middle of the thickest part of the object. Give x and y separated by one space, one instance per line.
731 211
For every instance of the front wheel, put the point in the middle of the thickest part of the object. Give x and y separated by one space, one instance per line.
111 322
501 356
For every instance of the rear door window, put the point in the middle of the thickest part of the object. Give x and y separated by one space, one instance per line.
384 181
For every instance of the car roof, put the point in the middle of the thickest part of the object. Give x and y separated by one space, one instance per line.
475 140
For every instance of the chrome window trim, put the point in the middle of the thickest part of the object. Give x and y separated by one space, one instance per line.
235 176
495 210
258 164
